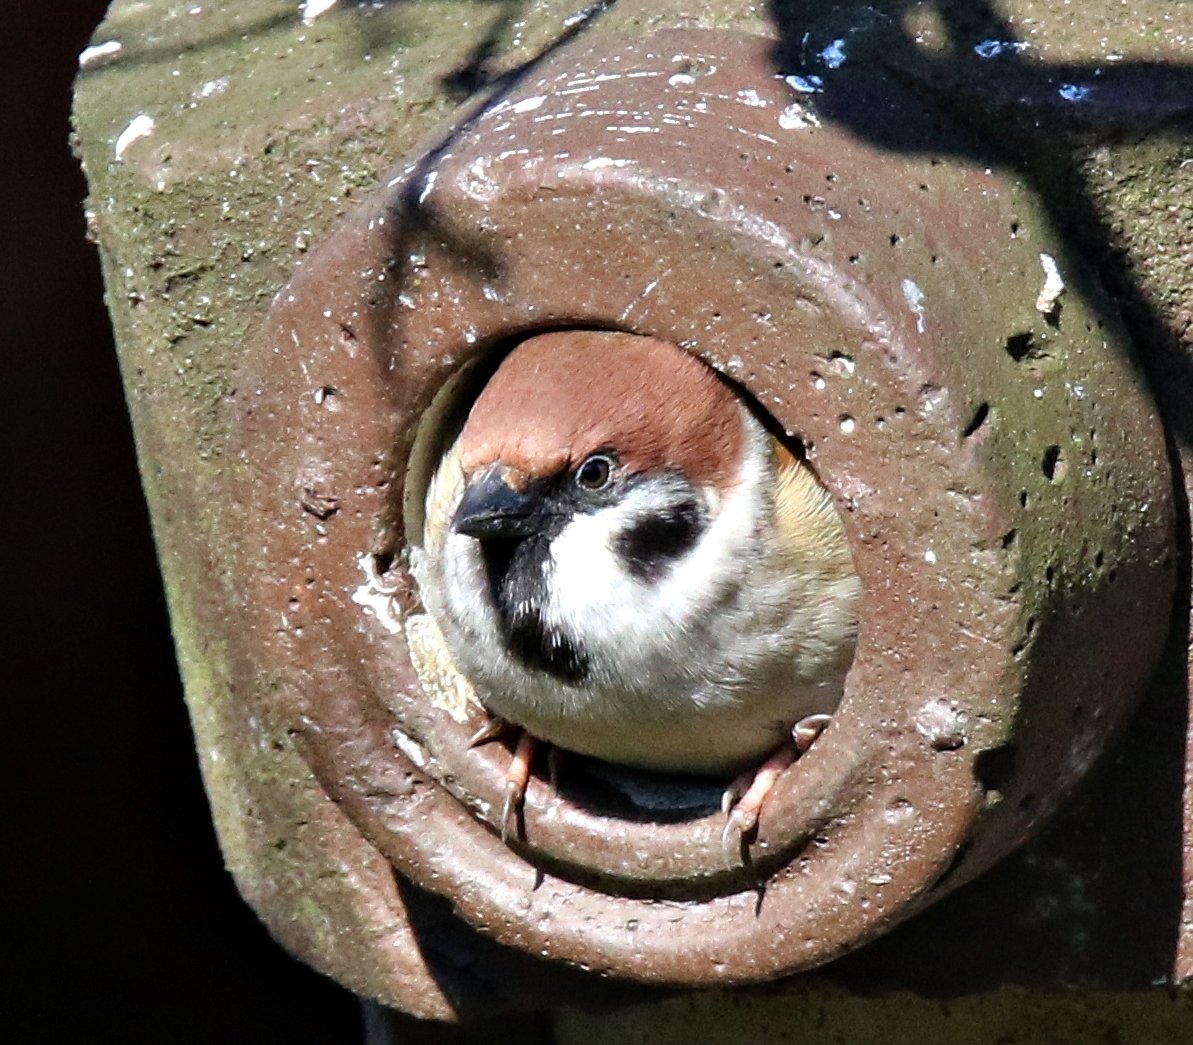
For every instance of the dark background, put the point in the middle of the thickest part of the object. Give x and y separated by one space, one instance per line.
119 920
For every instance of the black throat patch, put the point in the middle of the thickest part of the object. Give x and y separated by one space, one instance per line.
518 578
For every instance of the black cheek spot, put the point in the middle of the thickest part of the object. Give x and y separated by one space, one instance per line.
654 542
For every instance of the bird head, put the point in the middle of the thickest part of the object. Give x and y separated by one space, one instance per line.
598 424
614 537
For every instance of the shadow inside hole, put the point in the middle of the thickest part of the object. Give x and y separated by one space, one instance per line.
639 795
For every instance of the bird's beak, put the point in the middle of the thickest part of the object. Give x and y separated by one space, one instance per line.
491 509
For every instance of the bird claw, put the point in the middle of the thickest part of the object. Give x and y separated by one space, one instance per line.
517 776
739 823
734 791
510 809
743 799
491 730
807 729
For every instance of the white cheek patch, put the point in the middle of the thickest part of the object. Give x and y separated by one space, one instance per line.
467 586
625 622
585 567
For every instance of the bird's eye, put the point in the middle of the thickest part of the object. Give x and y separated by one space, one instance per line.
595 472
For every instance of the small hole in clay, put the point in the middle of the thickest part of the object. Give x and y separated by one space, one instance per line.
1049 573
1099 559
1019 346
994 767
894 239
1008 538
1053 464
1023 498
979 418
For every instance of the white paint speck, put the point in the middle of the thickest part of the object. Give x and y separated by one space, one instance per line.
599 162
994 48
528 104
681 80
1053 287
930 557
820 384
1037 393
1073 92
428 185
409 747
139 127
848 424
212 87
374 597
752 98
108 49
795 117
834 55
805 84
915 301
312 9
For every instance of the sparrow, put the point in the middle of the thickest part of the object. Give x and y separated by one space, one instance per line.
627 564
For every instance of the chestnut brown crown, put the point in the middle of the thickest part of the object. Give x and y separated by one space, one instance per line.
579 392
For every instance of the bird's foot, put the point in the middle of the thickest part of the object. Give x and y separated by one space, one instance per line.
517 775
743 799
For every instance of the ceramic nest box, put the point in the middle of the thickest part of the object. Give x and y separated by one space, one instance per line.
958 382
